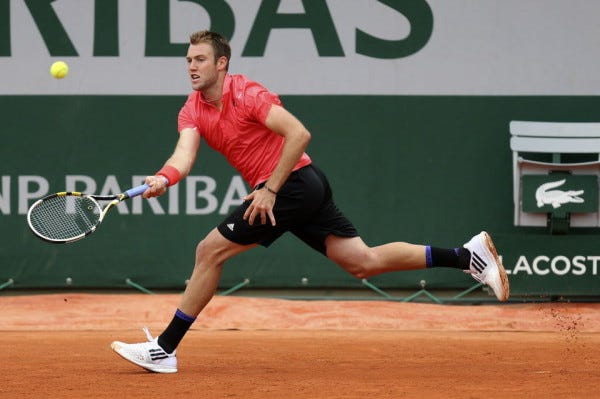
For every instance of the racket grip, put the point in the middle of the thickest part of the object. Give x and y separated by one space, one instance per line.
134 192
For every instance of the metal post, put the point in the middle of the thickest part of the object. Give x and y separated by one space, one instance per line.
236 287
376 289
138 287
8 283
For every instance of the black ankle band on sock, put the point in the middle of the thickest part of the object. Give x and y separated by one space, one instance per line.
442 257
184 316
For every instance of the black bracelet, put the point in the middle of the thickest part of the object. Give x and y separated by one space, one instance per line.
269 190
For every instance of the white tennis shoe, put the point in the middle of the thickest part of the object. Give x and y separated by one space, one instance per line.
148 355
485 265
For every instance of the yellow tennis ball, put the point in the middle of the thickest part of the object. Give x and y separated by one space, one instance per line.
59 69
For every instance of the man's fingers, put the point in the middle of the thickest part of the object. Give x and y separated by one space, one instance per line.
249 196
263 217
252 213
157 186
258 209
272 217
249 215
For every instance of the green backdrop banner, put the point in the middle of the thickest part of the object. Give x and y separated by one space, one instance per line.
424 169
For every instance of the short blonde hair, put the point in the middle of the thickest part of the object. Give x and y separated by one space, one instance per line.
219 43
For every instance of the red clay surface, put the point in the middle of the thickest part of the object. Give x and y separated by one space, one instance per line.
58 346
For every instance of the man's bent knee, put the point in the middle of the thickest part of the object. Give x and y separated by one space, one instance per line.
358 265
216 249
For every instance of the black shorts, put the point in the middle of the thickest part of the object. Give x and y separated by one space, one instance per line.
304 207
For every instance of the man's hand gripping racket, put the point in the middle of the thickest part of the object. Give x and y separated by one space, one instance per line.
70 216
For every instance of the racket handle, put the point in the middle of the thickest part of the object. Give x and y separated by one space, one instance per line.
134 192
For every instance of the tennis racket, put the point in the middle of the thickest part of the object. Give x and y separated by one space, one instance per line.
66 217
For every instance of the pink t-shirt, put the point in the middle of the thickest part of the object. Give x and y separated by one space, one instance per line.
238 131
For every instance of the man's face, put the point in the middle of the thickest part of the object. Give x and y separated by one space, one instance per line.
202 66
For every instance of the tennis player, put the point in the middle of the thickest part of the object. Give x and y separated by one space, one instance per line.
267 145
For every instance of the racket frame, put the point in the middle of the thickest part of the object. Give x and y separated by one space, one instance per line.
114 199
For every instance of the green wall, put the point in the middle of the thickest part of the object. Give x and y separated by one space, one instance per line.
423 169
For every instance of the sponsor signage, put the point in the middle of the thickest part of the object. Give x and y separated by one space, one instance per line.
560 192
559 265
195 195
305 46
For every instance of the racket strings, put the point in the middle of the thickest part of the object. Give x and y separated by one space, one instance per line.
65 217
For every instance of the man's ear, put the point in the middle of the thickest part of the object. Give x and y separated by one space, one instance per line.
222 63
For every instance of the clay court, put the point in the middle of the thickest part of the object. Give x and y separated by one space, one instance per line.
58 346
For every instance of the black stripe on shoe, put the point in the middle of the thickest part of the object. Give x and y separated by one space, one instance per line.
477 262
158 354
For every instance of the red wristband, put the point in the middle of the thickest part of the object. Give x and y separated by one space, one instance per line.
172 174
